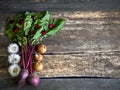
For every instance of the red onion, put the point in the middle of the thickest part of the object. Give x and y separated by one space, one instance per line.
33 79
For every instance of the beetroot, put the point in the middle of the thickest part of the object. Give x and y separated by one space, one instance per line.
33 79
24 74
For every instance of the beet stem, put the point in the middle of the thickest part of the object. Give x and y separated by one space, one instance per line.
31 67
30 55
26 54
23 60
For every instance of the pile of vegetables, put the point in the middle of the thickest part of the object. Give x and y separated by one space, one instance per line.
27 30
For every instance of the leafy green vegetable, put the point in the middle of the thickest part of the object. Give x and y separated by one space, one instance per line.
37 34
27 24
46 17
31 27
58 24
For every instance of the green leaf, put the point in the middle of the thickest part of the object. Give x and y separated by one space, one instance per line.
58 24
19 42
19 16
28 13
10 34
27 24
22 36
24 40
44 24
37 34
46 16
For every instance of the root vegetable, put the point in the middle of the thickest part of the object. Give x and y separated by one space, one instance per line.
41 49
33 79
38 66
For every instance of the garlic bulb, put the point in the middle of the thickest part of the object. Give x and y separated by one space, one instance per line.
14 58
13 48
14 70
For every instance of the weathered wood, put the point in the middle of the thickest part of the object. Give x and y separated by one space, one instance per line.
65 84
88 44
59 5
65 1
92 65
99 64
78 41
83 32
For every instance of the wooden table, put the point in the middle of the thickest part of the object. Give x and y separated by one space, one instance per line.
87 46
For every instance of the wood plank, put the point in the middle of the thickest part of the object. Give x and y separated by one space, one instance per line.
96 32
99 64
65 5
65 84
75 65
65 1
78 41
88 45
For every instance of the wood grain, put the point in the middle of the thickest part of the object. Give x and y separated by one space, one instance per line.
58 5
83 32
75 65
88 44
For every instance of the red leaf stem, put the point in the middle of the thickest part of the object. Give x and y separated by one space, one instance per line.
23 60
30 55
31 70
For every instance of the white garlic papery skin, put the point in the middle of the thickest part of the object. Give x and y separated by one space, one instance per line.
14 58
13 48
14 70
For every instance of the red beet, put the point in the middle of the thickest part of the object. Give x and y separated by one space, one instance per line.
24 74
34 80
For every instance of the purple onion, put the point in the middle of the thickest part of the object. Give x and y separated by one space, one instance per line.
33 79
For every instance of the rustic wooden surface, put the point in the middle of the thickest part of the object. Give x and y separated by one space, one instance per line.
88 44
13 6
65 84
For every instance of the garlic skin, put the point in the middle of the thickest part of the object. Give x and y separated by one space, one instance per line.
13 48
14 70
14 58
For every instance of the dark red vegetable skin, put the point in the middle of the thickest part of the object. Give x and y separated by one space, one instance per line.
24 74
33 80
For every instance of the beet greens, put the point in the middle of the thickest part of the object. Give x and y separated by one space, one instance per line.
28 29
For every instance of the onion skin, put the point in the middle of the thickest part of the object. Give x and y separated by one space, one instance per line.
24 74
38 66
41 49
38 57
34 80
